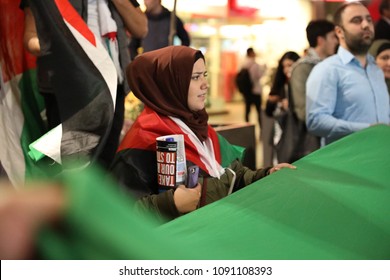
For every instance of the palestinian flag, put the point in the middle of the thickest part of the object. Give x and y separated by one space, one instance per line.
84 80
20 103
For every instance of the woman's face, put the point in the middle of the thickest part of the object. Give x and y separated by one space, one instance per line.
287 63
383 61
198 87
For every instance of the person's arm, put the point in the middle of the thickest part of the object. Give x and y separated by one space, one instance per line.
249 176
321 96
30 36
134 19
182 33
243 177
161 206
132 171
298 80
170 204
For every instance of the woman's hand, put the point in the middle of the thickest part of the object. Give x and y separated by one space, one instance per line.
280 166
187 199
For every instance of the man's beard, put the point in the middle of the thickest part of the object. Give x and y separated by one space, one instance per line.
358 45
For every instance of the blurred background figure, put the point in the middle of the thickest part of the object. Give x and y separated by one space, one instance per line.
254 94
380 49
382 27
323 42
277 103
160 23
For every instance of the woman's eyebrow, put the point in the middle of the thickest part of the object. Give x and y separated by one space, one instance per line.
199 72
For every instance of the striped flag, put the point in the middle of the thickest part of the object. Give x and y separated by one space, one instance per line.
19 98
84 81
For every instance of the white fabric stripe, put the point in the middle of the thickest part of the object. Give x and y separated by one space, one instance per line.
50 144
100 57
11 126
205 150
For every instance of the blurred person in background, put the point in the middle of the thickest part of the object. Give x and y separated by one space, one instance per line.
382 27
323 43
380 49
159 29
256 71
277 103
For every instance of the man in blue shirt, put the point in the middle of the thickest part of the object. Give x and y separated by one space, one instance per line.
347 92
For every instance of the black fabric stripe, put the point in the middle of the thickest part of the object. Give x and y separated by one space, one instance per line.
84 100
136 170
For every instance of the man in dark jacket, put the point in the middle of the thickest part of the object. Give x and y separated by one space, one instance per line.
159 26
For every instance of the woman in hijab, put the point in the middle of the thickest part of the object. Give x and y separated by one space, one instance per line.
172 84
380 49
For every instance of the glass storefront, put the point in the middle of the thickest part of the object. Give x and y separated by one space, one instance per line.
277 26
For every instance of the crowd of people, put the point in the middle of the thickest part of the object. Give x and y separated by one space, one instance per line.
324 95
334 90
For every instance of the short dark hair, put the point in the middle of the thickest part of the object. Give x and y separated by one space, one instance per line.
250 51
338 14
318 28
384 5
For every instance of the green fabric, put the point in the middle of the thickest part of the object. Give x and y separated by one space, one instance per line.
35 154
32 105
229 152
335 205
100 224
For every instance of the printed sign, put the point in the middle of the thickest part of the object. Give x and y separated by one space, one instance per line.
171 161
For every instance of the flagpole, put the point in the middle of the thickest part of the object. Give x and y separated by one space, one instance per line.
172 29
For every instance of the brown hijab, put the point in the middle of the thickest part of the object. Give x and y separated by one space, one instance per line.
161 79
